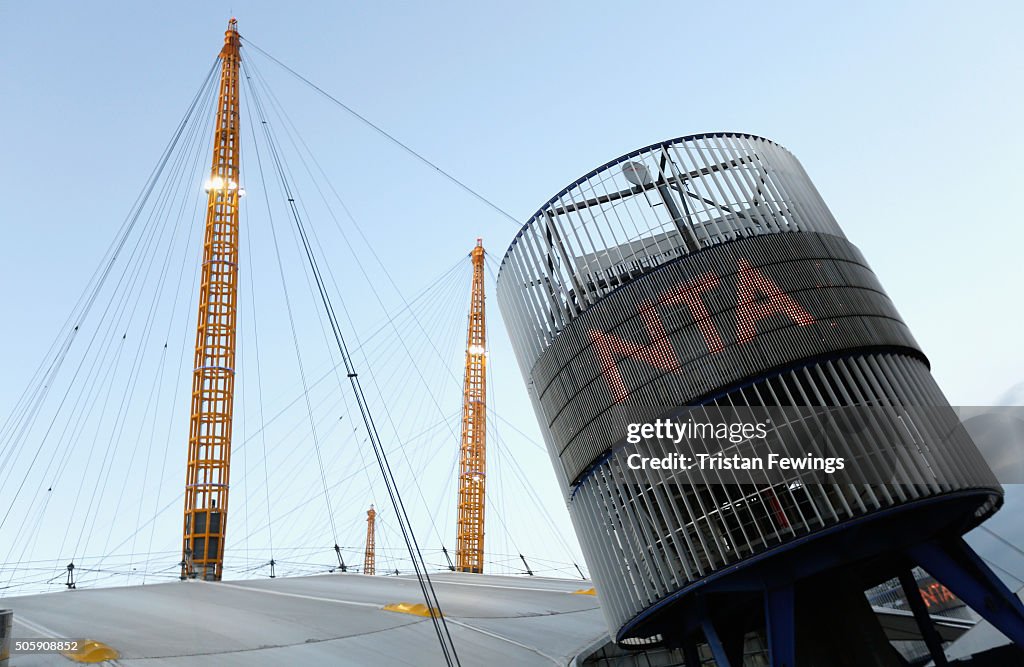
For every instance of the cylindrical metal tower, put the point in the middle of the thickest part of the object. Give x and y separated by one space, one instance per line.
706 272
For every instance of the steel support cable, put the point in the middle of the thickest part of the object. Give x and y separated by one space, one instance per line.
259 376
259 402
334 364
379 130
36 530
500 516
407 307
83 308
90 372
451 334
536 445
242 481
424 330
1003 570
159 217
291 319
330 371
187 244
400 338
492 403
287 121
314 158
183 346
292 475
364 468
292 134
502 450
518 469
49 562
30 402
306 388
107 454
152 438
426 408
390 558
325 431
332 487
108 376
383 549
283 115
293 402
173 193
448 484
446 421
404 445
352 220
287 436
151 520
1002 539
104 389
284 411
438 621
110 452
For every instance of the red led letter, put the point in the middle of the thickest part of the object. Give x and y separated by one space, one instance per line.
690 294
757 298
611 349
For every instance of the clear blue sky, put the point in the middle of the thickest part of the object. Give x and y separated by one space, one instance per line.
905 115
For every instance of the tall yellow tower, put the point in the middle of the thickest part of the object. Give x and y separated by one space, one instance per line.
370 559
213 376
473 463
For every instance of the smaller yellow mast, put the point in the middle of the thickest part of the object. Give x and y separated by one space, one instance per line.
370 560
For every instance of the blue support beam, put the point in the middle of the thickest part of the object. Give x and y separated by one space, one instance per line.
691 656
715 642
963 572
924 621
780 618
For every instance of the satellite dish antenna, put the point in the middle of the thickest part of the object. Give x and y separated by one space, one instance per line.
636 173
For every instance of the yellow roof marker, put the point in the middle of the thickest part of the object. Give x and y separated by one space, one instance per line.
90 651
418 609
585 591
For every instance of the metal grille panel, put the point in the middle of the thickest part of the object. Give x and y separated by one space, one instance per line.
647 534
689 357
641 211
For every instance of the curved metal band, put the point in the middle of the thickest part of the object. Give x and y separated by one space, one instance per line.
648 344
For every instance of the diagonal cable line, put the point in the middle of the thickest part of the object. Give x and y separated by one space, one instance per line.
381 131
419 565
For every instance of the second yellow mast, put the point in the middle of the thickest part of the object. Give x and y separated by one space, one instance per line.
473 454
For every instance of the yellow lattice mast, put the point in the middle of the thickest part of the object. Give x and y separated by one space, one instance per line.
370 559
213 377
473 461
